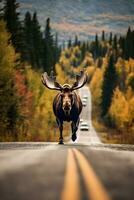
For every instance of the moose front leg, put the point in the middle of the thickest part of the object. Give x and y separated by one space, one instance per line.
74 126
60 124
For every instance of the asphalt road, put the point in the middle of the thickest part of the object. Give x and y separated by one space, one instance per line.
84 170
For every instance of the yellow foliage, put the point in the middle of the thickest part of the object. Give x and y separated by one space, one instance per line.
60 74
120 66
95 85
90 71
7 52
43 119
129 93
119 110
131 111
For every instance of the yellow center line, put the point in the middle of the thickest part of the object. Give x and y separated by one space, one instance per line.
71 189
95 189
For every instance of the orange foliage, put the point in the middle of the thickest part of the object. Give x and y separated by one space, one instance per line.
24 94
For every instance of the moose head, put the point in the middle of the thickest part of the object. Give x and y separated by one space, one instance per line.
66 91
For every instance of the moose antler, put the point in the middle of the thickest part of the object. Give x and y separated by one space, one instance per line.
50 82
81 80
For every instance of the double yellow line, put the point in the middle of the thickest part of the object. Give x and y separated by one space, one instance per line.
71 190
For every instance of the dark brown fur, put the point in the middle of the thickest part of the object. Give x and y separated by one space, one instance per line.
73 116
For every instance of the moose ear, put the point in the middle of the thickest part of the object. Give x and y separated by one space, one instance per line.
81 80
50 83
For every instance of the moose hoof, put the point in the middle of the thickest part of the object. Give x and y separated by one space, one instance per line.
74 137
61 142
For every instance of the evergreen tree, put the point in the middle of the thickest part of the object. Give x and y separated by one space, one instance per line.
63 45
69 43
76 42
48 48
108 86
57 50
28 38
110 38
103 36
37 42
11 16
122 45
115 42
96 50
129 44
132 51
83 50
33 41
48 35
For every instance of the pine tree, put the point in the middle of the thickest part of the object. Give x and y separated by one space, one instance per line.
48 35
33 41
132 51
115 42
69 43
28 38
108 86
57 50
76 42
110 38
48 48
11 17
103 36
83 50
128 44
122 45
37 42
96 50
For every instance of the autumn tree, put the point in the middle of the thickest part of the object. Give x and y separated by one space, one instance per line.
9 112
119 110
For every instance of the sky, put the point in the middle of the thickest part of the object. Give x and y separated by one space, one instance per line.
84 18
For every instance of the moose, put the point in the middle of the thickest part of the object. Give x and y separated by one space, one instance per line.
67 104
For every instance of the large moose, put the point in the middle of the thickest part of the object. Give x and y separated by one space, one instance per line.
67 104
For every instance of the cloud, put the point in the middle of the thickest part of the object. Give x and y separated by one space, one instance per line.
110 16
26 5
88 29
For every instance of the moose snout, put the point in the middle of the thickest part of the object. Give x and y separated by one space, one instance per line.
67 106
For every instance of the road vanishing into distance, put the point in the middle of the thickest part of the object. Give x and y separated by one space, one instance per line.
84 170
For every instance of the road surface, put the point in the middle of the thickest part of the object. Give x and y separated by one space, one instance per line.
84 170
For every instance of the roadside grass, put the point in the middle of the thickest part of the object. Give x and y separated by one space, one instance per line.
51 135
113 136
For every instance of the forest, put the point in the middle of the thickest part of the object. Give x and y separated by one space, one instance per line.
26 52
